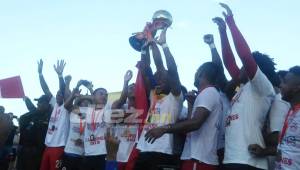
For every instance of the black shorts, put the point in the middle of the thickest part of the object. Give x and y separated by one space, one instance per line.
29 158
239 167
70 162
94 162
156 161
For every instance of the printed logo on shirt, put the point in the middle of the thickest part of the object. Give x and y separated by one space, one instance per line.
294 126
231 118
292 141
94 140
160 118
286 161
129 134
52 129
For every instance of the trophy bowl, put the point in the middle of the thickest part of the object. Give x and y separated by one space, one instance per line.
161 19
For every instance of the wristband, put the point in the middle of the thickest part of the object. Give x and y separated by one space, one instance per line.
212 45
60 76
40 74
165 46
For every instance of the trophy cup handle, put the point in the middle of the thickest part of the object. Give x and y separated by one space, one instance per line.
136 43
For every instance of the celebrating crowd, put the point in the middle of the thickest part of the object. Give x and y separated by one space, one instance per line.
248 122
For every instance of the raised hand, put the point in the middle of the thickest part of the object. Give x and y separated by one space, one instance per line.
128 76
220 22
76 92
208 39
40 66
59 67
162 38
228 10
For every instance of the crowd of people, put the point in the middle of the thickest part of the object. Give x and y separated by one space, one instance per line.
248 122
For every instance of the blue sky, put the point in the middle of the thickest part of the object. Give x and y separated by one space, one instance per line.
92 37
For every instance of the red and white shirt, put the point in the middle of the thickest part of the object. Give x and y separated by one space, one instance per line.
202 143
245 121
58 127
162 112
277 114
127 134
289 145
95 129
75 139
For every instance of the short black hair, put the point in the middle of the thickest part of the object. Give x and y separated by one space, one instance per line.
210 71
82 100
267 66
98 89
282 73
295 70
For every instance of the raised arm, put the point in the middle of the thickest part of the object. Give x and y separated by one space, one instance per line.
43 83
59 69
69 102
240 43
68 92
144 67
30 106
227 54
157 57
215 57
122 100
221 80
171 65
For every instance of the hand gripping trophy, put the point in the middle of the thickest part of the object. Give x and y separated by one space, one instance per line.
161 20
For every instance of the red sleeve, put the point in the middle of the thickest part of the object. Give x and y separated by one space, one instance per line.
228 57
242 48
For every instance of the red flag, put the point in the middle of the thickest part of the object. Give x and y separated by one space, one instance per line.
141 103
11 88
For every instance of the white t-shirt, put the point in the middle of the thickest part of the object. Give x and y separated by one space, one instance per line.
246 119
95 129
290 145
165 111
277 114
58 127
278 111
127 136
183 114
202 143
76 122
225 108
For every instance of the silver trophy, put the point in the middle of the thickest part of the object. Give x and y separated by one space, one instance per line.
161 20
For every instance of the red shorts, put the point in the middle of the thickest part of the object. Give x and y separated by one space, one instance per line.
195 165
121 165
52 158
